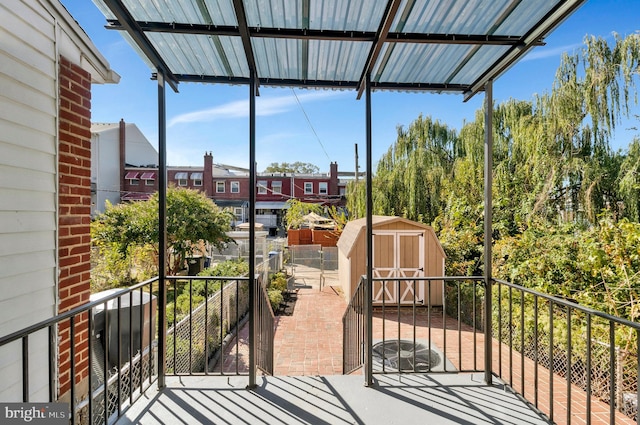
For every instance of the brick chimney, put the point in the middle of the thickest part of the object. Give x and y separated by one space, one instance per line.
207 176
333 176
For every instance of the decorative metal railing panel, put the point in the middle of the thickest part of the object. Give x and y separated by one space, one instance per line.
551 349
194 340
265 329
353 325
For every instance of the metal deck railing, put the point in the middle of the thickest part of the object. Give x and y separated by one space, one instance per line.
115 381
552 350
571 363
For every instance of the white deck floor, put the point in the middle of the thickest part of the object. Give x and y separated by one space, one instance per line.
410 399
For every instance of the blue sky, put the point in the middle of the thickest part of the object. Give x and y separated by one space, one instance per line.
318 126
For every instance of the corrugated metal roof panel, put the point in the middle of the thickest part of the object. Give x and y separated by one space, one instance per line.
420 62
340 15
412 44
449 17
525 13
479 63
337 60
201 54
346 15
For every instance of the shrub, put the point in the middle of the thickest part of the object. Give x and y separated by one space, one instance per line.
275 298
278 281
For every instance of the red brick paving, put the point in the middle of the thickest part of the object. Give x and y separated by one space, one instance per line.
309 342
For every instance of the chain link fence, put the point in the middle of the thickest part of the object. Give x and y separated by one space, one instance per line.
312 263
197 337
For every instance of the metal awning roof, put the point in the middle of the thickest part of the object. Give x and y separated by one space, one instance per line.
433 45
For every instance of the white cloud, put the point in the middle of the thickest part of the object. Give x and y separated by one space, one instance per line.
265 106
542 53
275 138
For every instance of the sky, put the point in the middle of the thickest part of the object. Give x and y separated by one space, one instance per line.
319 126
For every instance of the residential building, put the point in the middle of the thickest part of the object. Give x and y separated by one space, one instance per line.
115 148
48 67
226 185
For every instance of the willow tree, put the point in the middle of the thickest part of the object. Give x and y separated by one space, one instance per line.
409 176
552 159
629 181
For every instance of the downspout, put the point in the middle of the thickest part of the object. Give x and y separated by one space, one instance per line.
368 289
488 205
162 230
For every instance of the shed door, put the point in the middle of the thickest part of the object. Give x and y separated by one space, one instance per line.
396 255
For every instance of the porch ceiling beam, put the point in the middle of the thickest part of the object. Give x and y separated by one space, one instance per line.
330 35
346 85
243 29
474 51
552 19
381 36
137 35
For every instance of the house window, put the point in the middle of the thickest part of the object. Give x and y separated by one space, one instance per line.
276 187
323 188
262 187
308 187
235 187
197 179
220 187
237 211
182 178
132 176
148 177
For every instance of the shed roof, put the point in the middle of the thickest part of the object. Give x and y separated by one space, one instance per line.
355 228
436 45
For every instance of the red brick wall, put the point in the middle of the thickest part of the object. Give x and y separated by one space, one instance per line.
74 209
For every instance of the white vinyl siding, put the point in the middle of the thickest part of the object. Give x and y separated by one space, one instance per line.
28 187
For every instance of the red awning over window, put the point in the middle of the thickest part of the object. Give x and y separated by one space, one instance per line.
148 176
135 196
131 175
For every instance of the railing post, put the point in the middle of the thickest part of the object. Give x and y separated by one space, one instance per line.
488 182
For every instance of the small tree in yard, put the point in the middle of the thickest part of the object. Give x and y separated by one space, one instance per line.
191 217
294 217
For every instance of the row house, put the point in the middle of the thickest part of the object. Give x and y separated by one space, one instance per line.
124 169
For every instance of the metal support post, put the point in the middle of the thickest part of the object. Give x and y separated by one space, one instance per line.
368 341
253 290
488 193
162 230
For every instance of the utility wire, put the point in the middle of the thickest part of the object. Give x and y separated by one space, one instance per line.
310 125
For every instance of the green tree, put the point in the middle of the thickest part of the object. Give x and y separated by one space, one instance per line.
191 218
295 167
629 181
